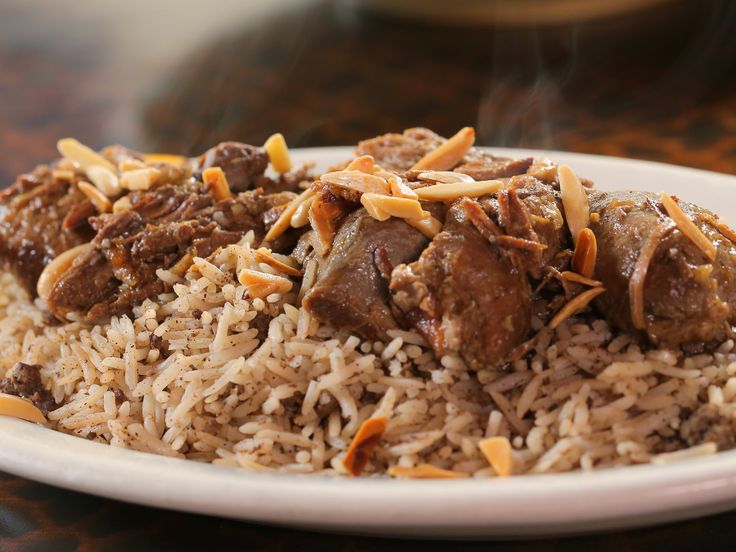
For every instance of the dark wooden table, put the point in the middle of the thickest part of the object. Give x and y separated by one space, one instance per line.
180 76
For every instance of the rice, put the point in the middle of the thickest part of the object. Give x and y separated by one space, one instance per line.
215 386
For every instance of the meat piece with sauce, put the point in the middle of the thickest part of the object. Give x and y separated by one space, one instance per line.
683 296
464 295
24 380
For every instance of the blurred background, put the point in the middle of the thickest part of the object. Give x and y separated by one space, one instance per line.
652 79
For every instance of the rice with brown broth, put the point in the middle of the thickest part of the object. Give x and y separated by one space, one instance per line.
206 373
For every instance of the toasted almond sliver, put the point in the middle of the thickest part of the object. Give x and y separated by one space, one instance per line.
56 269
300 217
364 163
688 227
261 290
444 177
586 251
85 156
447 192
10 405
122 204
364 443
98 199
428 225
574 201
104 179
131 165
167 158
62 174
139 179
278 153
425 471
182 265
575 304
399 188
321 218
249 277
264 255
450 153
578 279
373 208
497 451
217 183
358 181
284 220
395 206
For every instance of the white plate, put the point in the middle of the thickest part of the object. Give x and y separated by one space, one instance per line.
528 505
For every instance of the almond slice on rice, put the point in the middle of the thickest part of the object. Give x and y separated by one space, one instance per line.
104 179
85 156
364 163
688 227
444 177
164 158
17 407
358 181
364 443
217 183
425 471
575 304
284 220
399 188
139 179
394 206
257 282
586 251
98 199
427 225
574 201
56 269
278 153
497 450
578 279
268 257
450 153
454 190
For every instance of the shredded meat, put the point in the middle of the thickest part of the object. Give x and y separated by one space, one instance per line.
708 424
25 382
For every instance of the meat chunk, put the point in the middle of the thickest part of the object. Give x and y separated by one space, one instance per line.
25 381
40 217
685 298
163 225
350 292
242 164
464 295
487 167
710 424
399 152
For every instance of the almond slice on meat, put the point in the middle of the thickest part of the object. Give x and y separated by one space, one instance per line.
363 444
373 208
428 225
256 281
85 156
450 191
444 177
395 206
105 180
575 304
322 219
266 256
16 407
578 279
56 269
217 183
399 188
497 450
450 153
122 204
586 251
98 199
164 158
300 217
364 163
688 227
358 181
62 174
284 220
425 471
278 153
574 201
139 179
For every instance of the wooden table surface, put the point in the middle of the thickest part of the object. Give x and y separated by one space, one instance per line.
180 76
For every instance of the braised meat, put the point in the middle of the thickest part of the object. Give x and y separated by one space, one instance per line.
686 297
163 224
464 295
399 152
40 217
25 381
484 166
350 291
242 164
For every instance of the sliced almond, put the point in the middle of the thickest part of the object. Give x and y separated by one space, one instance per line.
282 223
278 153
130 165
16 407
399 188
104 179
577 303
86 157
250 278
266 256
364 163
444 177
217 183
139 179
394 206
586 251
497 451
56 269
62 174
574 201
449 154
448 192
182 265
300 217
321 217
122 204
578 279
164 158
363 444
373 208
98 199
425 471
358 181
688 227
427 225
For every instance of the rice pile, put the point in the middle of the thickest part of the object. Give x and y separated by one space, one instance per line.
208 374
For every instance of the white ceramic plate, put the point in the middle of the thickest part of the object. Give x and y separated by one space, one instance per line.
525 505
